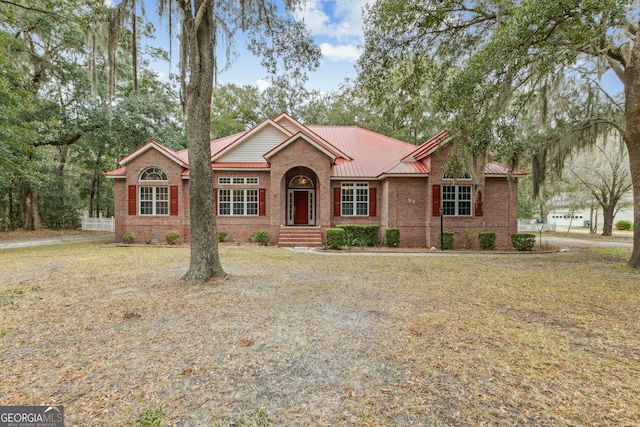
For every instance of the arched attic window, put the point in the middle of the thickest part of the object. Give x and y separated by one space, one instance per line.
153 174
463 175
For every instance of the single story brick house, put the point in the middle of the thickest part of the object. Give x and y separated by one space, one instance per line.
295 181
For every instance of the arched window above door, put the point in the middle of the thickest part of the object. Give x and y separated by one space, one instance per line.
301 181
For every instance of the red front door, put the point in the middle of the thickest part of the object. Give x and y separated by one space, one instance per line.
301 207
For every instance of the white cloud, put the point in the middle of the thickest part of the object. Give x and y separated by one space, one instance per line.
350 14
338 19
349 53
314 17
262 85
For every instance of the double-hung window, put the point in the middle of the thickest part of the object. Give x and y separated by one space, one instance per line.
154 192
238 202
355 199
456 200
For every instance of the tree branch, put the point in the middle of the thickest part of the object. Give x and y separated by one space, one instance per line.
68 139
72 139
200 13
617 68
34 9
598 120
594 81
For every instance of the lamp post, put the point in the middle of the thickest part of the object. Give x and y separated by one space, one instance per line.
441 239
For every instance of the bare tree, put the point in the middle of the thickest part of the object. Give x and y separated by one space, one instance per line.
604 171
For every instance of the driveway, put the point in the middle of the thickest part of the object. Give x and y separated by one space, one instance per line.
55 240
572 243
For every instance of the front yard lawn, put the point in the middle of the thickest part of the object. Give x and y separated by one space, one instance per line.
300 339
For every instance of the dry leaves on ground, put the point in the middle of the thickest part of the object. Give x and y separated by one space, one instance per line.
298 338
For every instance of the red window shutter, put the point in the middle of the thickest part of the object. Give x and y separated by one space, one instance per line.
336 201
262 202
132 205
373 202
479 204
436 200
173 200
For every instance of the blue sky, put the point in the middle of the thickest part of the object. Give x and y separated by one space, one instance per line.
336 26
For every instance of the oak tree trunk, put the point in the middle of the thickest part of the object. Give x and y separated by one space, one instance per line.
31 215
608 212
205 259
632 140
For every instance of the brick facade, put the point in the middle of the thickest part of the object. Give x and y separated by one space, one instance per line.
148 227
402 200
500 206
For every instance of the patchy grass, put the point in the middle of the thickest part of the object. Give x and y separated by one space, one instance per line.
297 338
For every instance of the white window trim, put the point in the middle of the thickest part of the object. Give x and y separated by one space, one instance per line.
156 170
154 200
310 205
354 186
238 180
457 200
245 202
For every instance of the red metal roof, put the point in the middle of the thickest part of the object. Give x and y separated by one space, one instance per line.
428 147
404 168
493 168
117 172
358 153
371 153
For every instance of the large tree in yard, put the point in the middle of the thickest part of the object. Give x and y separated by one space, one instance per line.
489 63
278 39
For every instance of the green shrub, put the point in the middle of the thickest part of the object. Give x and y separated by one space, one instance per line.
392 237
624 225
128 238
523 241
172 237
222 236
362 235
470 235
445 240
262 237
335 237
487 240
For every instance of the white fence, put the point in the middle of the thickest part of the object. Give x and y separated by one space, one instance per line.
99 224
528 225
534 227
